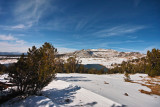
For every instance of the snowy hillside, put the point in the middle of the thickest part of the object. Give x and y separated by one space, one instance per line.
62 94
105 57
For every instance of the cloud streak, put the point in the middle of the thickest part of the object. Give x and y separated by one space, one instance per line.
119 30
30 12
62 50
7 37
13 47
11 39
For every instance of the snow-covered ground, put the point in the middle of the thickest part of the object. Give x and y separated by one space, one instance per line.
2 78
8 61
115 89
56 94
89 90
103 61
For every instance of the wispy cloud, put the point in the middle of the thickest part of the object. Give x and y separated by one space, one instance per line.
16 27
20 26
11 38
30 12
65 50
144 51
7 37
132 37
10 43
13 47
148 48
129 50
119 30
107 44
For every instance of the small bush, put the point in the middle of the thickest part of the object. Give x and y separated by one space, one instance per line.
127 77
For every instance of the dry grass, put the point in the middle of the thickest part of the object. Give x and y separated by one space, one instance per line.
155 89
127 80
151 83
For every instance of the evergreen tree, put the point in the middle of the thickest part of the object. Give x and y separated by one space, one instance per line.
59 65
2 69
71 65
153 65
36 70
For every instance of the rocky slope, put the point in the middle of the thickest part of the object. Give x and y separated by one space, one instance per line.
105 57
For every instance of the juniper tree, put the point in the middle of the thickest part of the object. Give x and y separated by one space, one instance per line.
2 69
71 65
153 62
36 70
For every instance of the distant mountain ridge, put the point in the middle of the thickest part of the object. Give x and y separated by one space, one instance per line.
102 53
10 53
105 57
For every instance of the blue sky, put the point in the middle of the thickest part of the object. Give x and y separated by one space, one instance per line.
123 25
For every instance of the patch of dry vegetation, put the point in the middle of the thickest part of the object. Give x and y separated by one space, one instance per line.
155 89
152 83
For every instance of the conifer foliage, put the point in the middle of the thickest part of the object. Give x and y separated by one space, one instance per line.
34 71
153 65
71 65
2 69
149 65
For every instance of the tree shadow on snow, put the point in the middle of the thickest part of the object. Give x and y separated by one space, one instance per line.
73 79
34 101
118 106
63 96
85 105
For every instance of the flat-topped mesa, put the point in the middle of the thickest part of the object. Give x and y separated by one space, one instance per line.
95 53
102 50
103 53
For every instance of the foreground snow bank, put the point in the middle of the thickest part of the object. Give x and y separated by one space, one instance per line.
61 91
113 87
32 101
88 90
63 94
